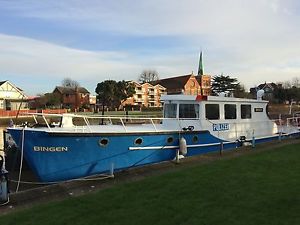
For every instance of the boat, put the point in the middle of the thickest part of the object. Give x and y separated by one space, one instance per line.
69 146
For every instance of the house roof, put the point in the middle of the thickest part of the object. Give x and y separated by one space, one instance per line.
71 90
271 85
2 82
16 88
177 82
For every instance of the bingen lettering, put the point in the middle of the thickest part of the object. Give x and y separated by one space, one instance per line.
49 149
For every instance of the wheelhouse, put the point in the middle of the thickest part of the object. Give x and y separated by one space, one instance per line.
214 108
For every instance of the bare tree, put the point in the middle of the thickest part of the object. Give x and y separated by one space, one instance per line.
287 84
148 76
296 82
68 82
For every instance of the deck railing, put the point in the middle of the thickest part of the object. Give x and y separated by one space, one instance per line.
294 122
83 123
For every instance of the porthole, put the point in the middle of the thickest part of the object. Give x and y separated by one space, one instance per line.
103 142
195 139
138 141
170 140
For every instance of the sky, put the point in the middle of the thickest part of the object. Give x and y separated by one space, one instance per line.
43 42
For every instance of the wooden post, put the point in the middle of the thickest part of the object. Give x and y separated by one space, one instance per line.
177 156
253 139
221 147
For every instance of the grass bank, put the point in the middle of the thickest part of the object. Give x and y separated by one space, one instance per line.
259 188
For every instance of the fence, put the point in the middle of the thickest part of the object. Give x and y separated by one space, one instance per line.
14 113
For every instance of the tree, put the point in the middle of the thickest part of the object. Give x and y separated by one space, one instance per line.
296 82
280 94
48 100
286 93
53 100
224 84
125 89
148 76
111 93
240 92
293 94
40 101
68 82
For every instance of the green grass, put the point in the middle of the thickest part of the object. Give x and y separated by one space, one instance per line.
262 188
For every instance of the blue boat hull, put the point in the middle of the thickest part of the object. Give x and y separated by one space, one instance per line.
65 156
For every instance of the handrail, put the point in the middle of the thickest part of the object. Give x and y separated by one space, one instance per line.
123 125
153 121
293 121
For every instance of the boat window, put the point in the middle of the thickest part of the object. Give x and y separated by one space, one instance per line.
138 141
188 111
230 111
195 139
170 110
246 111
170 140
103 142
212 111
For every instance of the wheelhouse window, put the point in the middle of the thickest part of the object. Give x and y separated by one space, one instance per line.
212 111
189 111
246 111
230 111
170 110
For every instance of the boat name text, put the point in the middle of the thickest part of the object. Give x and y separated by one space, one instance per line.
49 149
220 126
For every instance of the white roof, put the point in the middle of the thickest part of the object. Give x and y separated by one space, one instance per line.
209 98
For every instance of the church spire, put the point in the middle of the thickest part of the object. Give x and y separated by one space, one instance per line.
200 68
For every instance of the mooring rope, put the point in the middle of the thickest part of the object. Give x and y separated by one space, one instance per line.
5 203
21 161
104 176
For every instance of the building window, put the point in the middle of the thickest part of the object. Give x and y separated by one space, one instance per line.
170 110
212 111
246 111
230 111
188 111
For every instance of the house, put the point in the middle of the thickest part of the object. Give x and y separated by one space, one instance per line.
12 97
146 95
269 89
189 84
73 97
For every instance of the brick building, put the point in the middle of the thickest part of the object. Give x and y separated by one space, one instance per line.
73 97
146 95
187 84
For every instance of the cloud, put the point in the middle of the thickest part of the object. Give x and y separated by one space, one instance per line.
36 57
255 41
31 61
